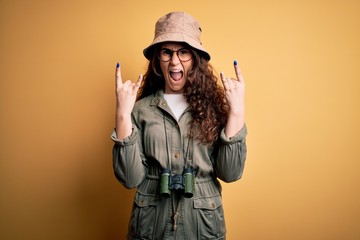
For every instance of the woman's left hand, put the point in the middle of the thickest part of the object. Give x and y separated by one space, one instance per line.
234 90
235 96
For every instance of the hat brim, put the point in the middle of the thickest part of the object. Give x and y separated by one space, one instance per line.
175 37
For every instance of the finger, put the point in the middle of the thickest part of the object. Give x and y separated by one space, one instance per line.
138 83
224 81
127 85
118 80
238 73
231 83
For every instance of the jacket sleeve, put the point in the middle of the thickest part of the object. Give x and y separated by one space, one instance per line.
127 164
231 155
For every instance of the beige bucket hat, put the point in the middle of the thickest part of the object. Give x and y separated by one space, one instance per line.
177 27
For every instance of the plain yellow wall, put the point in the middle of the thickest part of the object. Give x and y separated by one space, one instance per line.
301 63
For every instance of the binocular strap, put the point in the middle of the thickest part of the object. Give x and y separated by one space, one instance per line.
176 202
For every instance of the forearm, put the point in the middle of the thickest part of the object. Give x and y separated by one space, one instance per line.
123 125
231 156
235 122
127 162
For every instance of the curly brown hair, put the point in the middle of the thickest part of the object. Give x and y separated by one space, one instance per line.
205 96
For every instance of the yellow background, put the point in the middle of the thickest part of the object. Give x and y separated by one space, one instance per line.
301 62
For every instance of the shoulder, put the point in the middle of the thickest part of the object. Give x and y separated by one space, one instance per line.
150 100
145 108
147 103
143 103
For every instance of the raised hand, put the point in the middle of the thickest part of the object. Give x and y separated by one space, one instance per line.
125 100
235 96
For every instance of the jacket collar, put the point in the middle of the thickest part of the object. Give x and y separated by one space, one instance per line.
158 99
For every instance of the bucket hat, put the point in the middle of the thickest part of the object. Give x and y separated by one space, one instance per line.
177 27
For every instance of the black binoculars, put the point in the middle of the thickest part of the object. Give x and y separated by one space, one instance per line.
177 182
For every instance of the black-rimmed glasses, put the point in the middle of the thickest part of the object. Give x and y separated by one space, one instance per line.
183 54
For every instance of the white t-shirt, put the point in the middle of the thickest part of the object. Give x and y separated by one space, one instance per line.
177 103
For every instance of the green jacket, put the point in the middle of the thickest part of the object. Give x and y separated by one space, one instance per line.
159 141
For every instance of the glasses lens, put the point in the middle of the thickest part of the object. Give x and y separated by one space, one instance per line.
184 55
165 54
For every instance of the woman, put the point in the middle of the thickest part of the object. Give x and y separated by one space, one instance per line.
178 132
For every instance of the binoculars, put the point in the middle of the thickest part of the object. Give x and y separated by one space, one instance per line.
177 182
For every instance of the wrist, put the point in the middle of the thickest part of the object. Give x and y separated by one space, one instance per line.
237 112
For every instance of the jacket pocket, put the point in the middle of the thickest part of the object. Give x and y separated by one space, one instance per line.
142 220
210 217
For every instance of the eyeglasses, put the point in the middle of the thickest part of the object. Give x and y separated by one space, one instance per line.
166 54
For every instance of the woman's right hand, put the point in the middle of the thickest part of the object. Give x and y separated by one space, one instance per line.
125 100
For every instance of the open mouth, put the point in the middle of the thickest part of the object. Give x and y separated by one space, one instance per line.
176 74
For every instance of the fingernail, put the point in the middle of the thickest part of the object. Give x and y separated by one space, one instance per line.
117 65
235 62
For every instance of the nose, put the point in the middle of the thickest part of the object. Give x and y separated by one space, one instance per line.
175 58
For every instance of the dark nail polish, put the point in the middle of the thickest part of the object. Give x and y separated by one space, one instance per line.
235 62
117 65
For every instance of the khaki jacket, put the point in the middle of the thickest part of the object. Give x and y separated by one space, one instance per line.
159 141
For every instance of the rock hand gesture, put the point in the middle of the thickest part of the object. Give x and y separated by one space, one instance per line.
125 99
235 96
